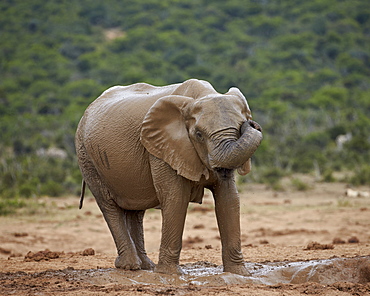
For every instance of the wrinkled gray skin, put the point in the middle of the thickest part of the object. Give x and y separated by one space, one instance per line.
142 146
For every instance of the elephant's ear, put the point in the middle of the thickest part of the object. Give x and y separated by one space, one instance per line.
165 136
245 168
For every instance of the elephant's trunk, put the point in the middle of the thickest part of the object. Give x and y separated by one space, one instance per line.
231 154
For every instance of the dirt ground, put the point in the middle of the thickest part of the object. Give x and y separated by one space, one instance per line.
314 242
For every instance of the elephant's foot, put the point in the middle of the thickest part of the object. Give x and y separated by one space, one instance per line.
238 269
146 263
128 262
168 269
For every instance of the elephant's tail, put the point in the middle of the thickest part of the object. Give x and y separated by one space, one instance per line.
83 186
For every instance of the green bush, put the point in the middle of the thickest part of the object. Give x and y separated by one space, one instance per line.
10 206
327 176
361 176
52 188
300 185
26 190
272 176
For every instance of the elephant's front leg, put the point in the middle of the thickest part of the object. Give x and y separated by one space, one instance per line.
228 218
173 192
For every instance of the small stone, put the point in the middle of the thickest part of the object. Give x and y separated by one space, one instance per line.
88 252
353 240
338 241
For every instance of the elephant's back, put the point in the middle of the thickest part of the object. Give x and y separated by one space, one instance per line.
116 116
133 99
122 107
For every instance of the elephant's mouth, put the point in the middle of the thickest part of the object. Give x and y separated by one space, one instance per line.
224 174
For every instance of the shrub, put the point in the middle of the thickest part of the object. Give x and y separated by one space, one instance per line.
52 188
361 176
26 190
327 176
272 176
300 185
9 206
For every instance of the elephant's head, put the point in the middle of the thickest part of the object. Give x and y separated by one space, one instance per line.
198 134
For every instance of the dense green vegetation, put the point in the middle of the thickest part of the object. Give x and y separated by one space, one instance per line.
303 65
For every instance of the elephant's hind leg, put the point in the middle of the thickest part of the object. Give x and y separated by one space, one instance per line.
114 216
135 223
116 219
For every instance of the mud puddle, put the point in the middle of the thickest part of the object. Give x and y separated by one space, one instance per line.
326 272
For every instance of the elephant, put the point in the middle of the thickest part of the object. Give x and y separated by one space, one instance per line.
142 146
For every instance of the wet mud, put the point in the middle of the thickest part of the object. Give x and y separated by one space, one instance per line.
325 272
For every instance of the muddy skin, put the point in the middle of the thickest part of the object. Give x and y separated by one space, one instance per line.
141 146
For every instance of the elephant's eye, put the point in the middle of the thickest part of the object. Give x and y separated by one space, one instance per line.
199 135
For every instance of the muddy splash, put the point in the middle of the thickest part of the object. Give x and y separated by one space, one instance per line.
326 272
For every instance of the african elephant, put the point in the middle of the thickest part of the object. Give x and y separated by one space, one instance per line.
142 146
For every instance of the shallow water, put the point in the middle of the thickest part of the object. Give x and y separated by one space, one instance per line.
329 271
